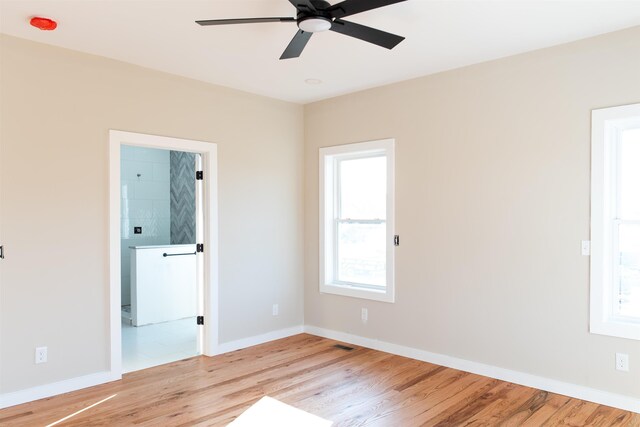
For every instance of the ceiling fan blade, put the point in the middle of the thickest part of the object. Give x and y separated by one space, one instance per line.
243 21
368 34
297 44
351 7
304 5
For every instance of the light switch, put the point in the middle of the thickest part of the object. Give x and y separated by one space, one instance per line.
586 247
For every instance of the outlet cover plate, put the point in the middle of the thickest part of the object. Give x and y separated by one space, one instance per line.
622 362
41 355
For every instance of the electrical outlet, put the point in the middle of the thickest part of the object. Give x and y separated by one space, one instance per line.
275 309
41 354
622 362
586 247
365 315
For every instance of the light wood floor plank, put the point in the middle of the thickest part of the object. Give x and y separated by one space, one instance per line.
361 387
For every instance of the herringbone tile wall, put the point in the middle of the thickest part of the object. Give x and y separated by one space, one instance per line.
183 198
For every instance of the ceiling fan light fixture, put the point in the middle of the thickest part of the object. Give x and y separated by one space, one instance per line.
314 24
314 16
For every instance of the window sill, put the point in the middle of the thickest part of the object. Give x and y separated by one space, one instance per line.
357 292
616 328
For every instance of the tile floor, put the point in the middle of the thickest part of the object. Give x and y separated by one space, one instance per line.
153 345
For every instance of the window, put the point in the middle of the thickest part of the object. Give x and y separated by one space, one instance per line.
356 220
615 222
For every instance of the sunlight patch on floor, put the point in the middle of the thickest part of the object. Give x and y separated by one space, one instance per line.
268 412
80 411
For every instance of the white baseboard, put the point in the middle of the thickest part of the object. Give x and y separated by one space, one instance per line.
567 389
580 392
48 390
258 339
72 384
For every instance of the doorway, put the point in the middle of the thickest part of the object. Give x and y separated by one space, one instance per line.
163 265
159 199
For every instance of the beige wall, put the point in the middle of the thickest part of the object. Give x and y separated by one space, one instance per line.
492 201
57 107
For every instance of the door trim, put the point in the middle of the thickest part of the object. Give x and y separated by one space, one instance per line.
209 153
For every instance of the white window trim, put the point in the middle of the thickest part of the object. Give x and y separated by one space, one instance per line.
606 124
326 215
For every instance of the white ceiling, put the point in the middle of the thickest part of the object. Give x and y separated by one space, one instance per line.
440 35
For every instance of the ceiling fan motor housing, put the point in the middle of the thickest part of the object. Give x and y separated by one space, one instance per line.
313 21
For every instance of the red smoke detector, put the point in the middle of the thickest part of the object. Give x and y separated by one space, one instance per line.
44 23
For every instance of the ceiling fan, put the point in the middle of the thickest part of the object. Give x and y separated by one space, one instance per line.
314 16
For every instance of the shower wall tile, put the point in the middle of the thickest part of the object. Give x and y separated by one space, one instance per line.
162 209
130 169
127 152
142 154
156 229
127 189
152 190
152 155
160 172
144 203
134 209
125 225
183 199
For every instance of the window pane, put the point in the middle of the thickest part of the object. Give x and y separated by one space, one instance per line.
362 253
363 188
630 174
629 270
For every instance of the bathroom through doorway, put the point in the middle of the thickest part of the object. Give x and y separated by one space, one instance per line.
162 275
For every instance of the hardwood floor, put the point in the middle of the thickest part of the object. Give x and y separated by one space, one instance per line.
352 388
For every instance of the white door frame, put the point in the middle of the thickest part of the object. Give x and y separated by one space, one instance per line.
209 152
